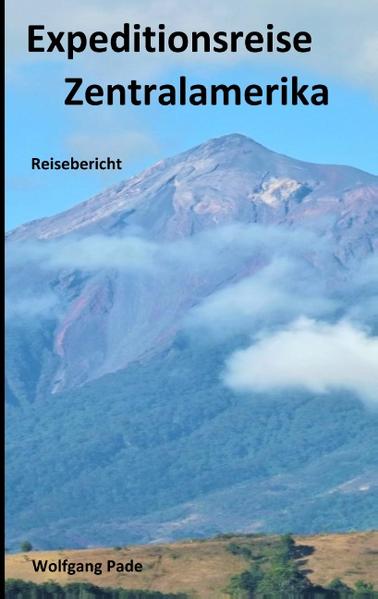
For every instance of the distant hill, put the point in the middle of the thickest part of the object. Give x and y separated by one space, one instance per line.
203 569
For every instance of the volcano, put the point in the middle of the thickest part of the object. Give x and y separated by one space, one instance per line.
121 428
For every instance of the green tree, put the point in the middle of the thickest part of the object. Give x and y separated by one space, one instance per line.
288 545
342 590
244 585
26 546
364 590
283 581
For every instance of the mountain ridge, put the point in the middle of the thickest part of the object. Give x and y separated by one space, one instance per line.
210 150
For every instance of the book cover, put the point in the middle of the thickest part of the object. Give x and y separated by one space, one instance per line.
191 299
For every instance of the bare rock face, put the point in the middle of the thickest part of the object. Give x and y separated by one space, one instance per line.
108 313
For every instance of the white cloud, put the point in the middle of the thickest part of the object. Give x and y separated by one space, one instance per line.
199 253
90 253
33 307
278 292
309 355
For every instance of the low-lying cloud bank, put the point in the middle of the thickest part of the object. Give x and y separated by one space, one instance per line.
201 252
276 293
309 355
262 272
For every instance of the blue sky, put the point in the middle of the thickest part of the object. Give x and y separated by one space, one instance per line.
38 123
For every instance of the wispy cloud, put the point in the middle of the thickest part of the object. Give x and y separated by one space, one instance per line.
31 306
278 292
87 254
202 252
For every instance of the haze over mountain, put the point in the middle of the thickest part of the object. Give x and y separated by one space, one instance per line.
193 348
